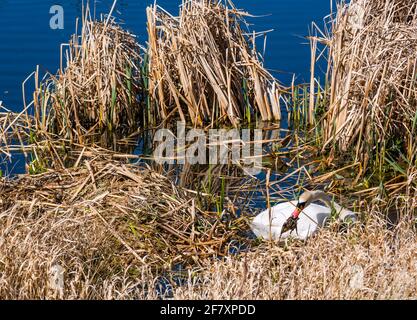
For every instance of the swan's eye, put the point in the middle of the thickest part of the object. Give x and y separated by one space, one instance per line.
301 205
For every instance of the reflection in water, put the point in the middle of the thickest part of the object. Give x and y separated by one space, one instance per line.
228 185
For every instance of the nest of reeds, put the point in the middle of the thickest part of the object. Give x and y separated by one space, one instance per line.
99 91
371 264
204 68
372 78
108 216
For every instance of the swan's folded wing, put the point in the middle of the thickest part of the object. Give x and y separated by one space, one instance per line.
268 224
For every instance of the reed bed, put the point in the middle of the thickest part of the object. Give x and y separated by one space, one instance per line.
203 68
99 92
57 252
372 101
106 229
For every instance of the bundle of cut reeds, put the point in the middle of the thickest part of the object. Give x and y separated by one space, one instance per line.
99 90
372 79
203 68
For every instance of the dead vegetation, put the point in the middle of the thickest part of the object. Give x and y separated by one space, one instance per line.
95 249
86 224
98 94
199 67
205 69
372 108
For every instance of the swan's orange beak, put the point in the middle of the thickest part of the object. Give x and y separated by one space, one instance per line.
296 213
298 209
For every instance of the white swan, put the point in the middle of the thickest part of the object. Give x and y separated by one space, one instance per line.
301 219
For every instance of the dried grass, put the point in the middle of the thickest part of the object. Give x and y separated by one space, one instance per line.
99 222
369 264
87 251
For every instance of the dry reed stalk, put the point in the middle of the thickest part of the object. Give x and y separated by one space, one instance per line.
99 90
372 69
203 69
373 264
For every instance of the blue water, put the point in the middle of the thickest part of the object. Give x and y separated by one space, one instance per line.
26 39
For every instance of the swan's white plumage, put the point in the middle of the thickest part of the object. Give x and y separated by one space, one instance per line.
310 219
